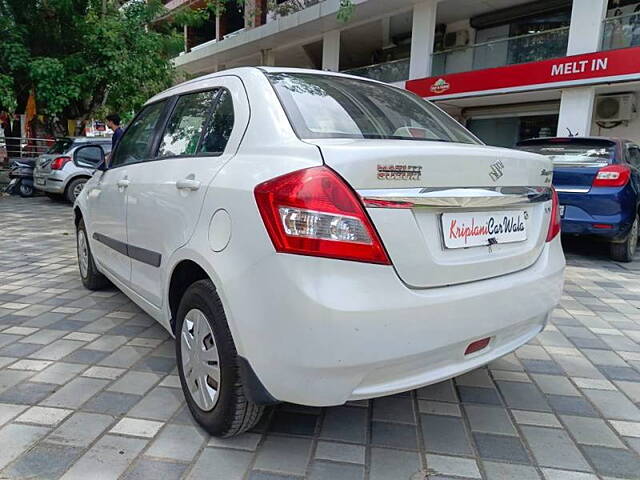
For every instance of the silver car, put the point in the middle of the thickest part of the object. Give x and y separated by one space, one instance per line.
57 174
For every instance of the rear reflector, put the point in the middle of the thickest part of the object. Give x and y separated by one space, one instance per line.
477 345
603 226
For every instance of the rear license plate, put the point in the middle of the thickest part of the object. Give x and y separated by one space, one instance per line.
561 208
474 229
40 181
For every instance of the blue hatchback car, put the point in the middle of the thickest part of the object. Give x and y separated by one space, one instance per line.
598 183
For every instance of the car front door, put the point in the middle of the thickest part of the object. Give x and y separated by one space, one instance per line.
106 199
166 193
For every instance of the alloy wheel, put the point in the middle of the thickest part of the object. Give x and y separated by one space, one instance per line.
633 240
83 254
200 360
77 189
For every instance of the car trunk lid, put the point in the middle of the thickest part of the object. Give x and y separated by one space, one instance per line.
415 191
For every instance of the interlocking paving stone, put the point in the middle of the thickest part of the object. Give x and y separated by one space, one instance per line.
508 471
177 442
148 468
500 447
387 464
283 454
554 448
44 461
384 434
523 396
591 431
445 435
16 439
614 462
107 459
331 471
489 419
340 452
579 379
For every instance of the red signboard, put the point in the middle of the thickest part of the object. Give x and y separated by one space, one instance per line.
575 69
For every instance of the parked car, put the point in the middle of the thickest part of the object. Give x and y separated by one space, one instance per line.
598 182
316 238
58 175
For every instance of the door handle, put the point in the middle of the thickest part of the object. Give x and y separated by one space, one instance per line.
123 183
187 184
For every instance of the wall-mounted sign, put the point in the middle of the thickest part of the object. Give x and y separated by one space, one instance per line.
590 68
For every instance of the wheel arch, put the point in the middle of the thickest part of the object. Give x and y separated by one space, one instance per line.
184 273
71 179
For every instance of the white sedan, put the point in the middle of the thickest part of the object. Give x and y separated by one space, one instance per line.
316 238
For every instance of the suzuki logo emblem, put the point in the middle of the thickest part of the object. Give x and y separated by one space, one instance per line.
495 171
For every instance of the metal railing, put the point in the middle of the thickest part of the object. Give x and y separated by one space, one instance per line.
622 31
389 72
19 147
531 47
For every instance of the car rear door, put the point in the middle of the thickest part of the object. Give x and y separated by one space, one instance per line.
106 199
166 193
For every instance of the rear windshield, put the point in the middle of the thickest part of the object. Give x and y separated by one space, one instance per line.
61 145
573 151
324 106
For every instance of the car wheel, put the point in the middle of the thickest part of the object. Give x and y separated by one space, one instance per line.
91 277
74 188
25 190
624 252
208 364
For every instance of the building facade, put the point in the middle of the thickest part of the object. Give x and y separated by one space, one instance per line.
507 69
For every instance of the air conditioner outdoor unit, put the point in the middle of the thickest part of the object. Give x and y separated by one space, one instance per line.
615 108
456 39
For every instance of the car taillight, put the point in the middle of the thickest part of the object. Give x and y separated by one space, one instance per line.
58 163
612 176
314 212
554 224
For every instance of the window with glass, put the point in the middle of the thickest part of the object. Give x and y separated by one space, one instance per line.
573 150
324 106
219 129
184 130
135 144
61 145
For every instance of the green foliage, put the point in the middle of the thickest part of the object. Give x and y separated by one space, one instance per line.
80 58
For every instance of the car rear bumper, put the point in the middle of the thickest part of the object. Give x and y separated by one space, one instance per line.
603 212
322 332
48 182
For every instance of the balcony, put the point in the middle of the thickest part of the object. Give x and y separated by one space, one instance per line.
622 31
506 51
389 72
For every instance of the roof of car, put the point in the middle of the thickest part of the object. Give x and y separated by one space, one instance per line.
244 71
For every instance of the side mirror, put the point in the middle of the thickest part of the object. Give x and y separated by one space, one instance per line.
90 156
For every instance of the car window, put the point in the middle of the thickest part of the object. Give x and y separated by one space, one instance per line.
572 150
634 155
60 146
219 129
135 143
184 130
324 106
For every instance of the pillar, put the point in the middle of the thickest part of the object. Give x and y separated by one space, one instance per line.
422 38
267 58
331 51
585 31
576 112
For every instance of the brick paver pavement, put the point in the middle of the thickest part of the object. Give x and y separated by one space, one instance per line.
88 389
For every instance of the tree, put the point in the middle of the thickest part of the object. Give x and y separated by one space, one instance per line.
81 56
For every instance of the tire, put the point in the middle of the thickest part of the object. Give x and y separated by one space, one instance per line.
74 188
624 252
201 321
25 191
92 279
